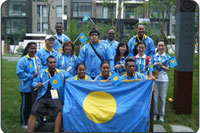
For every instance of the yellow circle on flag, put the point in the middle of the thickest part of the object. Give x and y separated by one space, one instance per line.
85 17
130 57
30 65
172 61
99 106
150 66
115 78
54 81
82 37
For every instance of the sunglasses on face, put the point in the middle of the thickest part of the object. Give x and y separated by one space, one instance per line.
50 39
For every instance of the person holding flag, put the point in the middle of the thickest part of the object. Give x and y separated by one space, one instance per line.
120 57
142 61
27 68
50 83
48 50
68 61
60 38
130 73
161 82
93 53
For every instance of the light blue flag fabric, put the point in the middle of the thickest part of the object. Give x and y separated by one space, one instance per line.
85 17
172 62
95 106
116 79
55 83
150 67
31 67
82 37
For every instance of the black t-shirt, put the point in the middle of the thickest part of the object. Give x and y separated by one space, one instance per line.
48 93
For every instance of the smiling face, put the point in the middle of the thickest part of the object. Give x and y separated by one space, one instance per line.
140 30
141 48
105 70
49 43
68 49
122 49
58 28
161 46
32 50
111 35
81 72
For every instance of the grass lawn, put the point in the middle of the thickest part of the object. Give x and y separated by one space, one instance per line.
10 101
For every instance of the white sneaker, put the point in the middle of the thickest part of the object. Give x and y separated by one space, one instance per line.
25 127
155 117
162 119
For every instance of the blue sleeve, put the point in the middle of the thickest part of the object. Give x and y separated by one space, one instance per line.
81 56
20 71
39 55
60 62
36 80
110 59
151 48
131 46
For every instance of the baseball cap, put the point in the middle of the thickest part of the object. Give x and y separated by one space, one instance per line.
48 37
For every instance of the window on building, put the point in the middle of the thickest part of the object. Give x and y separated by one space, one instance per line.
59 11
105 12
44 11
17 8
44 27
133 11
14 26
79 9
65 9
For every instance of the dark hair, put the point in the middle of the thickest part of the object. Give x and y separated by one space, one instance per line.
104 62
117 56
65 44
58 23
25 51
129 60
51 56
139 24
141 42
94 31
161 41
79 65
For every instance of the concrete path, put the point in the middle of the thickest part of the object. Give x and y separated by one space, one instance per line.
11 58
174 128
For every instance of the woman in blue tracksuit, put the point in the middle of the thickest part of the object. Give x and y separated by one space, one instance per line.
105 71
27 69
80 73
121 54
68 61
161 82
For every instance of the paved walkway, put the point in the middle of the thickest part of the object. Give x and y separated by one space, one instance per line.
11 58
175 128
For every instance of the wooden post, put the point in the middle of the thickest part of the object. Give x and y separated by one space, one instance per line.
184 52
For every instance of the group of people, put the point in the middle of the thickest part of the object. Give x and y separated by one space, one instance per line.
97 60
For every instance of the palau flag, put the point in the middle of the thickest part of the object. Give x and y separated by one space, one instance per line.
82 37
116 79
31 67
55 83
85 17
150 67
94 106
172 62
130 56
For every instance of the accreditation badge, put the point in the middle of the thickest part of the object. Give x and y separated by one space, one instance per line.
54 94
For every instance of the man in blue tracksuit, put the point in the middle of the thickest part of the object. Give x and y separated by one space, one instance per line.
112 44
48 50
91 60
59 38
48 99
132 43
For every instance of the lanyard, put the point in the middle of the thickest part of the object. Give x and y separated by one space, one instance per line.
63 61
62 38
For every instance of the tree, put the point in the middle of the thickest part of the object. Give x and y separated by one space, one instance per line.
161 10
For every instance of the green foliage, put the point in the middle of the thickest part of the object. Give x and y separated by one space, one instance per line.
20 50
